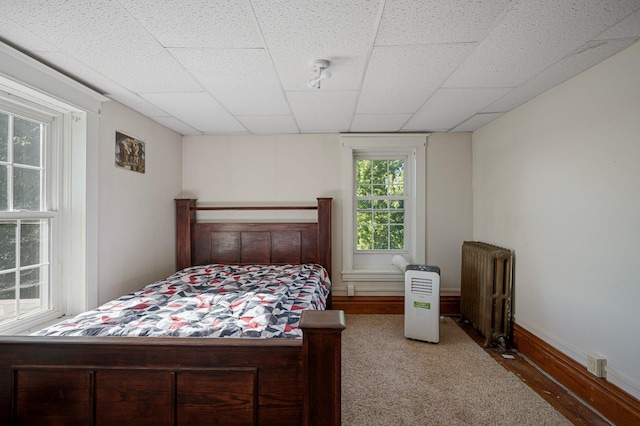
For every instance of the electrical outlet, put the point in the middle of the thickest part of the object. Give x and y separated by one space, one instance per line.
596 364
350 290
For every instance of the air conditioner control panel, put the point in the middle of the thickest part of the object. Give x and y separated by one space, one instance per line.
423 268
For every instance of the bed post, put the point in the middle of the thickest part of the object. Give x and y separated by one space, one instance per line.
321 357
324 233
185 218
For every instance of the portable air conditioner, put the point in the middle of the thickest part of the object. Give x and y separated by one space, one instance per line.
422 303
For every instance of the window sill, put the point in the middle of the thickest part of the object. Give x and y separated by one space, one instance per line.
31 324
380 275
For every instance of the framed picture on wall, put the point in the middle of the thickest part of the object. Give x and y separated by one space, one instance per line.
129 152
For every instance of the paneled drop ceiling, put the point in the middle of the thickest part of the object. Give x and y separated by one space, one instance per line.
242 66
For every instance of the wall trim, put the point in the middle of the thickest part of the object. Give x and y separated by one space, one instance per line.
449 305
609 400
34 77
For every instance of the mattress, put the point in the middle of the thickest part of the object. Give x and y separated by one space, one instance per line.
259 301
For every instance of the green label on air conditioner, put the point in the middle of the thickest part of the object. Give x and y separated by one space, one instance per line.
421 305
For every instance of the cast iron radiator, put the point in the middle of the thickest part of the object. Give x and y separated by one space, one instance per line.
485 290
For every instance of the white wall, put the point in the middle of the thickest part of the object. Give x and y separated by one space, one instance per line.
449 205
282 169
558 181
137 213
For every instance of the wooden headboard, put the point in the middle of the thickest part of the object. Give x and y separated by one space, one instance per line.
200 243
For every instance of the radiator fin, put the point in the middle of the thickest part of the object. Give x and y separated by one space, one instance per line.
485 293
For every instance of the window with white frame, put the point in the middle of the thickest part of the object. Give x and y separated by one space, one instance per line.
28 178
49 130
380 199
384 206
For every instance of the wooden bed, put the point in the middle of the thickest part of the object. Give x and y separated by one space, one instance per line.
173 380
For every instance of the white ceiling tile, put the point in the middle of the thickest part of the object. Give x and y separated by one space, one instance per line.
107 39
532 36
298 32
136 102
447 108
582 59
154 71
197 109
477 121
401 78
176 125
9 30
225 132
407 22
378 122
101 83
219 66
627 28
318 23
198 23
269 124
241 79
323 111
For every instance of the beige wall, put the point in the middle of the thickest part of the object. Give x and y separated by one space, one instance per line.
558 181
136 211
298 168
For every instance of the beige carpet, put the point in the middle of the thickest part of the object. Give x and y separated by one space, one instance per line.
390 380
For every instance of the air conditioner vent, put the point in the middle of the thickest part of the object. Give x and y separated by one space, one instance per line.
421 286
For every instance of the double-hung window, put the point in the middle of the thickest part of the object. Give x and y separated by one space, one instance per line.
49 129
380 199
384 206
27 210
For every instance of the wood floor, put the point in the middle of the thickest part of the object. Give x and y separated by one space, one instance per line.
556 395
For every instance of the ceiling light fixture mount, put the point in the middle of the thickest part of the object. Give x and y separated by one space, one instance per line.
320 67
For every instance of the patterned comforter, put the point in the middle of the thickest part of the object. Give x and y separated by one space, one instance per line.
210 301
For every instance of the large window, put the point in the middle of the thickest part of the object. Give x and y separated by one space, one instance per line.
26 220
384 204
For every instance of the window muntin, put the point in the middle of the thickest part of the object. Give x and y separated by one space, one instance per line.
26 225
380 196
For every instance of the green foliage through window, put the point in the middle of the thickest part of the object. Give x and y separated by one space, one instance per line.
380 194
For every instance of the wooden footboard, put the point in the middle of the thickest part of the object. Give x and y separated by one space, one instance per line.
158 381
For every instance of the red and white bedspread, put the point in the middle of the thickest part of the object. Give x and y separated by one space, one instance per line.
210 301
